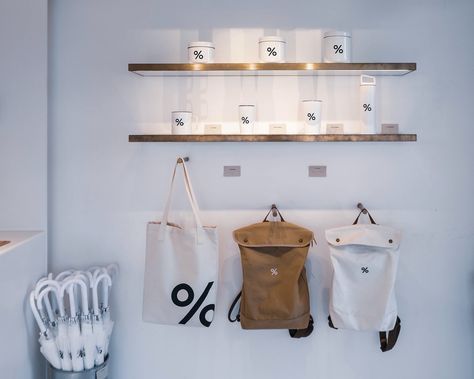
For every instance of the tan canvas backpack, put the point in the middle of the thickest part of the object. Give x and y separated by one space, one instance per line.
275 291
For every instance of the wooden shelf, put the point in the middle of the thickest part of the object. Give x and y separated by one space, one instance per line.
270 69
274 138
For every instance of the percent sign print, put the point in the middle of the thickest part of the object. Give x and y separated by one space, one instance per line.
184 303
338 49
311 117
179 122
245 120
198 54
367 107
271 51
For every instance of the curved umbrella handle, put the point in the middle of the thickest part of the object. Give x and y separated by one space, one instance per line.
40 284
61 276
51 288
95 297
36 314
84 299
113 269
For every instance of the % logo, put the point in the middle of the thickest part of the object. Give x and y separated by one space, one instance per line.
245 120
311 117
367 107
274 271
190 297
179 122
198 54
338 49
271 51
365 270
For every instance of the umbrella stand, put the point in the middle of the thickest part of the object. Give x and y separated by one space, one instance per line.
99 372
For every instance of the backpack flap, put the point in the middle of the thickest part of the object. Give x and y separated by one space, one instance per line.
366 235
267 234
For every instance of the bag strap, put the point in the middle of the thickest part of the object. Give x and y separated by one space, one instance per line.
231 309
370 218
270 211
388 342
299 333
191 197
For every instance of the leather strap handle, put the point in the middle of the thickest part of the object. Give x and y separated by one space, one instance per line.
372 221
270 211
300 333
387 342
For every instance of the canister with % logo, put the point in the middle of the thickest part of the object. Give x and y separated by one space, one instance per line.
181 122
337 47
272 49
367 106
201 52
312 116
247 116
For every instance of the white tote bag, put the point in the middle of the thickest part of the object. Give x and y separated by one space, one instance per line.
365 260
181 268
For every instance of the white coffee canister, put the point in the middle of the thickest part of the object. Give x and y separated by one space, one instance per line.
181 122
201 52
337 47
367 104
247 117
312 116
272 49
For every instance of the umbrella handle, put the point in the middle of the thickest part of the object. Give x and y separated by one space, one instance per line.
43 282
69 284
113 269
51 288
95 297
36 314
64 274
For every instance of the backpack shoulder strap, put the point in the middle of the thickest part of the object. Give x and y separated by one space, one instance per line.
298 333
231 309
388 342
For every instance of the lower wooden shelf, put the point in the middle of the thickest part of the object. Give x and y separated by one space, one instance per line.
273 138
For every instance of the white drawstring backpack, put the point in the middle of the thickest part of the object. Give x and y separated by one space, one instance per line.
365 259
181 267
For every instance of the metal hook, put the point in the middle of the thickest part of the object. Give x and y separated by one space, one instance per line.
182 160
274 210
362 208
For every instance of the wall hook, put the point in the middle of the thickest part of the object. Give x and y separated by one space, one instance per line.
182 160
274 210
362 208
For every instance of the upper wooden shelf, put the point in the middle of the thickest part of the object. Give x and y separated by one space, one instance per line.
273 138
271 69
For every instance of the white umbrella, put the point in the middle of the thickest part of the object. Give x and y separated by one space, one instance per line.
62 341
98 324
47 345
74 329
50 316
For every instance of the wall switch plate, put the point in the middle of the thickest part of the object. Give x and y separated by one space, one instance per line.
317 171
335 129
231 171
213 129
390 129
277 128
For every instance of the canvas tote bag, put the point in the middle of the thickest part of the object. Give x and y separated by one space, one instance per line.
181 267
365 260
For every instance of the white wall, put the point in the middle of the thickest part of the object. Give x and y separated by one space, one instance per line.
104 189
23 114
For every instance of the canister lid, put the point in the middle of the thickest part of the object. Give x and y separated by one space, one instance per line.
271 39
308 101
367 80
337 33
201 44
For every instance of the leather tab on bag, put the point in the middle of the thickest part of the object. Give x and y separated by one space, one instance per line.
388 342
299 333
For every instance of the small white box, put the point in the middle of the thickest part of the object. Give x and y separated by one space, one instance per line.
337 47
272 49
201 52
